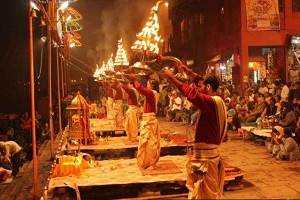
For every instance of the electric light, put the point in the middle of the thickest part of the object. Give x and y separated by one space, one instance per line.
34 6
64 5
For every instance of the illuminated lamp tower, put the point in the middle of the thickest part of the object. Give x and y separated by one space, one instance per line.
148 39
121 60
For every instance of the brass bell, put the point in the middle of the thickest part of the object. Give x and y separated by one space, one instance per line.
33 13
42 23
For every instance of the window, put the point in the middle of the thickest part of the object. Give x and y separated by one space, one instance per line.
296 5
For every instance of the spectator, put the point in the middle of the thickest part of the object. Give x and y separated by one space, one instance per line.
26 125
11 150
277 103
288 116
297 132
263 88
290 150
101 111
256 112
229 86
297 90
275 141
187 110
45 132
284 91
162 102
176 105
270 110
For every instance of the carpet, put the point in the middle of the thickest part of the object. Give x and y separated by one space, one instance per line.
162 167
128 142
232 170
178 139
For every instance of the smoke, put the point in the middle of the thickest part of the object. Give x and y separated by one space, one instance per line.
104 22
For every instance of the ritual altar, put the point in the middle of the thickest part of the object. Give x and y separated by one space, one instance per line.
68 165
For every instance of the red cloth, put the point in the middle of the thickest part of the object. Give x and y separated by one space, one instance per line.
132 97
3 175
119 92
205 131
149 105
109 92
26 123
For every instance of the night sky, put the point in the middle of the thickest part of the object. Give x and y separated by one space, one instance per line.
104 22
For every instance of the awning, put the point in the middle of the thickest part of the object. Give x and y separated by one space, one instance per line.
256 59
221 57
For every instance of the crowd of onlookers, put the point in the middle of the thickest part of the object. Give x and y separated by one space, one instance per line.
248 103
260 104
18 128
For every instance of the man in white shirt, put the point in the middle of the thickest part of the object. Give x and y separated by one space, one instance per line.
12 151
176 105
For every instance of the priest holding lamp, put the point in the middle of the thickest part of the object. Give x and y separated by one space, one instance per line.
149 142
205 169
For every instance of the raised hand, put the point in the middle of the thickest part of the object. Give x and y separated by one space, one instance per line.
165 73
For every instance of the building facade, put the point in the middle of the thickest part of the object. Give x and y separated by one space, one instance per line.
238 39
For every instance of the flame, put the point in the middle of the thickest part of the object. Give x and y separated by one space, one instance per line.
100 72
148 38
121 55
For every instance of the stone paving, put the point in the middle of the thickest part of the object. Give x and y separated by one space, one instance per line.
266 177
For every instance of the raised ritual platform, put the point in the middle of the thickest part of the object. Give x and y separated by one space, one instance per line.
113 147
105 125
111 179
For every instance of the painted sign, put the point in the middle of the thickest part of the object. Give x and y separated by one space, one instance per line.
262 15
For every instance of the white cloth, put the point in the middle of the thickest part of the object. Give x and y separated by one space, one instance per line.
109 108
205 173
149 142
118 113
131 122
176 105
10 148
285 93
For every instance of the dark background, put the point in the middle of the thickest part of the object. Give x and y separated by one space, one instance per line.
104 22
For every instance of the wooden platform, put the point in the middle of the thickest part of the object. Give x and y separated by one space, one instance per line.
123 143
104 125
120 177
116 147
125 173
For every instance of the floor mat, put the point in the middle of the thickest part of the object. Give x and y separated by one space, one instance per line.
232 171
162 167
178 139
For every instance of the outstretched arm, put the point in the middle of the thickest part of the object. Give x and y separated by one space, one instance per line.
192 75
167 74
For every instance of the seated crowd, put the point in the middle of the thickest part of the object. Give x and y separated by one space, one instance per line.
252 103
261 105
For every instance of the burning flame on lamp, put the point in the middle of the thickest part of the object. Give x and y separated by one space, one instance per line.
148 38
